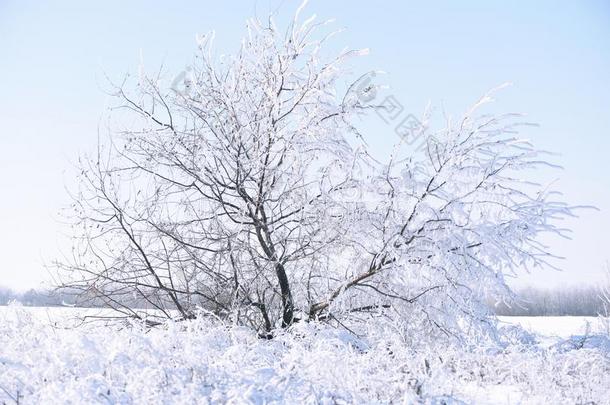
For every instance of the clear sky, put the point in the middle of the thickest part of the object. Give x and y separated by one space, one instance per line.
54 56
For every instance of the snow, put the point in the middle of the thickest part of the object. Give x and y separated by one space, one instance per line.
48 356
559 326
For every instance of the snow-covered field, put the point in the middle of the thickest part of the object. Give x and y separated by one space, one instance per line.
558 326
45 359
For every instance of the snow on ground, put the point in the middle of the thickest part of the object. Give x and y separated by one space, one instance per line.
560 326
45 359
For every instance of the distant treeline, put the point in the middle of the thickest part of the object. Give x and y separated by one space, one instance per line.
36 298
575 301
62 297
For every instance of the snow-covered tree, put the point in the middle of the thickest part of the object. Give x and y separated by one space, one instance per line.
445 226
247 191
604 296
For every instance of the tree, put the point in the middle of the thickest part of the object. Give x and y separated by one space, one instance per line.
604 295
249 193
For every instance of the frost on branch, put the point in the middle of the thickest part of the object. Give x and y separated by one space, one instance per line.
443 227
242 189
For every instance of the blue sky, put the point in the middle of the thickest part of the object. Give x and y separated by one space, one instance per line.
55 55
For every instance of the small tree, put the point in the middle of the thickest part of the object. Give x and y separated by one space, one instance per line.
248 193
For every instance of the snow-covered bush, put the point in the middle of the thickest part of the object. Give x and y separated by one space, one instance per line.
247 191
206 361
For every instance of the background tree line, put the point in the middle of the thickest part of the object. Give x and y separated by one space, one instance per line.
531 301
574 301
